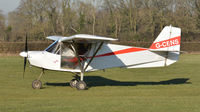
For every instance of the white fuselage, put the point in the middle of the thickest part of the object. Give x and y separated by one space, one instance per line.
109 56
46 60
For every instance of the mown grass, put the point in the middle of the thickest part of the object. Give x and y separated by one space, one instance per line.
172 89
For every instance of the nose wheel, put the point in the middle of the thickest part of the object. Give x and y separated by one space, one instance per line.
36 84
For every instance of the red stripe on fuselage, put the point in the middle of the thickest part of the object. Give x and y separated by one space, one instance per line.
124 51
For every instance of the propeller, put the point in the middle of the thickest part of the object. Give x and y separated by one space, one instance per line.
26 54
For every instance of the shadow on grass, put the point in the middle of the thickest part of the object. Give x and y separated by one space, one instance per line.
93 81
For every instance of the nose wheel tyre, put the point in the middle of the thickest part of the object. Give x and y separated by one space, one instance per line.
73 83
81 85
36 84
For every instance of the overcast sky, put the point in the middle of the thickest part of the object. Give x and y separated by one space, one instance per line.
8 5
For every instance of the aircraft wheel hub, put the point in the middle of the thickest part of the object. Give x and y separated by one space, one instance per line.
36 84
81 85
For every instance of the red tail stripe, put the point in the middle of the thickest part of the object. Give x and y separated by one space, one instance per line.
166 43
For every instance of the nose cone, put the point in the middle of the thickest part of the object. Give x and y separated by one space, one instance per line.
23 54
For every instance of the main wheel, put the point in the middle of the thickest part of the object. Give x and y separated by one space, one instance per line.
73 83
36 84
81 85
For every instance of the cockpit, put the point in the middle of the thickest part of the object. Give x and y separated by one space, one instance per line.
71 53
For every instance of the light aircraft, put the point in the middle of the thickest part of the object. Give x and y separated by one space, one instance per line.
85 53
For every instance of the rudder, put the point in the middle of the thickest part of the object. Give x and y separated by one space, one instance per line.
168 40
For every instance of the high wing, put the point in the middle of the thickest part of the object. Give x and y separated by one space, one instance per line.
54 38
82 38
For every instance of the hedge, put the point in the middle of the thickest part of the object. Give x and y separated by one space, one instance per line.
16 47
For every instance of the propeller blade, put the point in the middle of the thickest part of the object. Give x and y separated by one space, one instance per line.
25 60
26 44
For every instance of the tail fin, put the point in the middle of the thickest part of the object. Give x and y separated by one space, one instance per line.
168 40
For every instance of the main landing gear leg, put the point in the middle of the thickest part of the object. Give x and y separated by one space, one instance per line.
81 85
37 84
78 82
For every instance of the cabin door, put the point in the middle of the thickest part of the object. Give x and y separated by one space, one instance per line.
68 57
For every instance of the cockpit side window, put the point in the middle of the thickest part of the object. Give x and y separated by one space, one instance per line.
83 48
69 60
54 48
67 50
68 57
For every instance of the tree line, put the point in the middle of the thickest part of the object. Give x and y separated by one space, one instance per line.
126 20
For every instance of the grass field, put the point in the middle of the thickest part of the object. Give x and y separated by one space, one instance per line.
172 89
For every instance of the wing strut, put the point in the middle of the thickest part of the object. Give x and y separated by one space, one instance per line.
93 56
81 66
80 84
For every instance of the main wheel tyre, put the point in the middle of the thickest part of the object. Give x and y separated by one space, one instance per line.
81 85
73 83
36 84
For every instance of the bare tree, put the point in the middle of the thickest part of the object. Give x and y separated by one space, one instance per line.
2 26
127 20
